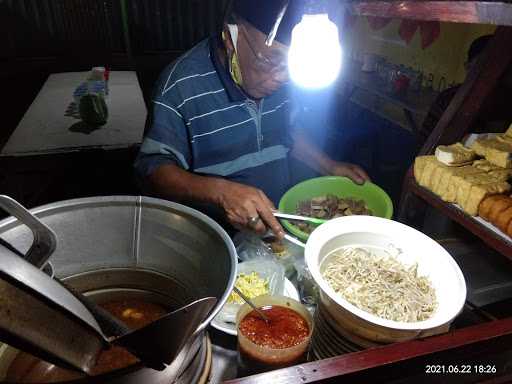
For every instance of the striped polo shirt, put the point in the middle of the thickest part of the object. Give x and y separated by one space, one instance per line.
202 122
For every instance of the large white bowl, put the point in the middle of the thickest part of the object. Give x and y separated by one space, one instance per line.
433 261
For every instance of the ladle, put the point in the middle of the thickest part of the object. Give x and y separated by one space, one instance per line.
41 316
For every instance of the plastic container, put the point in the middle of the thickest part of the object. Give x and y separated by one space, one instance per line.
266 269
254 358
376 198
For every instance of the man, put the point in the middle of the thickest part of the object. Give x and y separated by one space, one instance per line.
222 125
495 115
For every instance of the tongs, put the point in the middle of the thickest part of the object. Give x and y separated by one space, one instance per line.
41 316
287 216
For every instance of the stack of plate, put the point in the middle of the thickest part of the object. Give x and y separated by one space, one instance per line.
330 339
342 327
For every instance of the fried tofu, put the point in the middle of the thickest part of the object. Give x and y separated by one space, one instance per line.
497 208
439 173
509 229
484 209
502 174
455 154
452 183
496 151
504 219
443 188
485 165
478 192
428 171
419 166
463 185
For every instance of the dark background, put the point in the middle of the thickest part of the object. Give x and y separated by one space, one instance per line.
40 37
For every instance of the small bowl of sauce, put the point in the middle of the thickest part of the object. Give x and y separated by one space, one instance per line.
281 342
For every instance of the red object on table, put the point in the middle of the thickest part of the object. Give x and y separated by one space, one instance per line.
401 84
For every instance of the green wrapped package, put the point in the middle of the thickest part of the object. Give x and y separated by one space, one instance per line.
93 109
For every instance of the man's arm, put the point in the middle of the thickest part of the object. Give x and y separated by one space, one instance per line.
309 154
239 202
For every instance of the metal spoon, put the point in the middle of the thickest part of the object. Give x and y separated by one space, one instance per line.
248 301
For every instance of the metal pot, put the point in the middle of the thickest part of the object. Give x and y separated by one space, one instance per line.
143 247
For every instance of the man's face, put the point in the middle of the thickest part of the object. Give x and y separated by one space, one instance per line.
264 69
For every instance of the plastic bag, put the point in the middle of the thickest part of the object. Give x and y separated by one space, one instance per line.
285 253
250 246
308 288
266 269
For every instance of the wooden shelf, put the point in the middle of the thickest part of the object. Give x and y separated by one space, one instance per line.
495 239
375 363
478 12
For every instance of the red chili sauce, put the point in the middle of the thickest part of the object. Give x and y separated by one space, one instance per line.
285 329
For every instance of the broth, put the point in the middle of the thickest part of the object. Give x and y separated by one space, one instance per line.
134 313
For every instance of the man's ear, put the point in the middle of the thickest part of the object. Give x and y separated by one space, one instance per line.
226 39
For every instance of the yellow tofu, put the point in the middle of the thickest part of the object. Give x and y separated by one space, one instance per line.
419 166
502 174
496 151
426 177
479 192
465 183
485 165
449 183
479 147
505 138
438 174
455 154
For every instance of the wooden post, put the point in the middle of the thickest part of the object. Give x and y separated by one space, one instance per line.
480 82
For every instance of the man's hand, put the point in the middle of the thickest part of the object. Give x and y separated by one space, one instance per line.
352 171
242 203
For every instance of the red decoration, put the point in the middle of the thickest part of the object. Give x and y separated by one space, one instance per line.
430 31
408 29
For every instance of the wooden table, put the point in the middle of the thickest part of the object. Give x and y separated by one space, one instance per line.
46 128
48 157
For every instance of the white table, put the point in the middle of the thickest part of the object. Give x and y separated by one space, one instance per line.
45 128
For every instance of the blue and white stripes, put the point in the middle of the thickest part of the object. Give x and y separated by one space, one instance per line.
197 124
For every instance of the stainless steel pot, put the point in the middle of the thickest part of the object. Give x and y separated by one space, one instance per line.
137 246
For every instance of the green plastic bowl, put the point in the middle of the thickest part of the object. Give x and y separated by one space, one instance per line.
375 197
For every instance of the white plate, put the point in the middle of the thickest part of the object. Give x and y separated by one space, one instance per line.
230 328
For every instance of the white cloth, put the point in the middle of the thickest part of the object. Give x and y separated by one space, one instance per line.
45 127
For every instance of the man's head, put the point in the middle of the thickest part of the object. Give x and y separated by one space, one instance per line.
475 50
260 70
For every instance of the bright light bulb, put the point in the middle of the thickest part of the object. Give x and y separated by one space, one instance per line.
314 57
